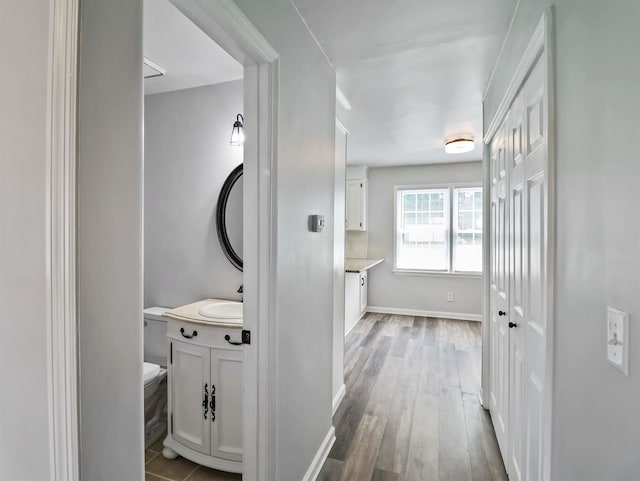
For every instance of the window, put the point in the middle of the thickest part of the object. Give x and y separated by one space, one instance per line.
439 229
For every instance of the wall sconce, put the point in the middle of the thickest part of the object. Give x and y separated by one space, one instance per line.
459 146
237 134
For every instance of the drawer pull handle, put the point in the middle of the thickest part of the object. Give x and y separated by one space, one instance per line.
194 334
228 339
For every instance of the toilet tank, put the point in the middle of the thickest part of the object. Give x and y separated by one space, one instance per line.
155 336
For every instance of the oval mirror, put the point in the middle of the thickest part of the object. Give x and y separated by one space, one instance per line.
229 217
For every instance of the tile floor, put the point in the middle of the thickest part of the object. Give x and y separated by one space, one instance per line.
157 468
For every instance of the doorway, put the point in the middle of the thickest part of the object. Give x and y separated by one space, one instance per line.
109 235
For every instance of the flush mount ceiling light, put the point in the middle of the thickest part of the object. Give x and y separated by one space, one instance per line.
237 134
459 146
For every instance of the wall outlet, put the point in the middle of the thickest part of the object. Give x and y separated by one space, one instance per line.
618 339
450 297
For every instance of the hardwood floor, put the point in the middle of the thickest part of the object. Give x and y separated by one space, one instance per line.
411 412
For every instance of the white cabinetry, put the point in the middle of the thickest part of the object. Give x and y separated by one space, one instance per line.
205 395
356 199
363 292
355 298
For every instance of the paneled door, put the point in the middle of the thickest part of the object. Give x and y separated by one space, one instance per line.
519 220
190 377
499 288
533 322
226 410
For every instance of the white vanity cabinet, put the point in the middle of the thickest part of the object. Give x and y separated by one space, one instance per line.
356 209
205 395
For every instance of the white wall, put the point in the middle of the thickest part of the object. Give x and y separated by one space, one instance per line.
110 240
187 159
425 293
24 415
596 427
305 179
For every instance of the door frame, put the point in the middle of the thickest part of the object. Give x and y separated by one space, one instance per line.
61 288
542 41
227 25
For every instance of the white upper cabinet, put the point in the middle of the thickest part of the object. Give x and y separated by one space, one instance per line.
356 215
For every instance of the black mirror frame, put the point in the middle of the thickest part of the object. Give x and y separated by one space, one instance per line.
221 214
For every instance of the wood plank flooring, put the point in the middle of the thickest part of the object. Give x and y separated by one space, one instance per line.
411 412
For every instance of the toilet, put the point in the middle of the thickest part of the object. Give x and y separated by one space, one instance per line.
154 374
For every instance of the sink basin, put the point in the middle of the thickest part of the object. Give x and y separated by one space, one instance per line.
231 311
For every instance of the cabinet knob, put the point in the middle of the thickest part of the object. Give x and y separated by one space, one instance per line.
512 325
502 313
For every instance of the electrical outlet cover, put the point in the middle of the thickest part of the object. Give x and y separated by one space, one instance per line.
618 339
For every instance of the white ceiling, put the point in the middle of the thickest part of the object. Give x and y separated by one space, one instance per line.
189 56
414 72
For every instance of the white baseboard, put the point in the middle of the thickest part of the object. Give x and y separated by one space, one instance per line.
416 312
338 399
321 456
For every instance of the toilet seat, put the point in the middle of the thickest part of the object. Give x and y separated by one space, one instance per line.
149 372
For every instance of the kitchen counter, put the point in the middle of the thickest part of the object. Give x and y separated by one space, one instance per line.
352 264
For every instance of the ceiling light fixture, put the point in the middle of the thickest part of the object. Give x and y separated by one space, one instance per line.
459 146
237 134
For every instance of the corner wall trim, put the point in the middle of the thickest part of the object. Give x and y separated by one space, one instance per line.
461 316
62 350
321 456
338 399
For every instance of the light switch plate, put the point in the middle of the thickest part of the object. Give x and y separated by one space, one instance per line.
618 339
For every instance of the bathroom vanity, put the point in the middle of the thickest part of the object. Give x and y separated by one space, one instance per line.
205 386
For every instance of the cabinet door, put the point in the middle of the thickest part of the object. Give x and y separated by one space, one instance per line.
351 300
364 281
226 425
189 379
356 199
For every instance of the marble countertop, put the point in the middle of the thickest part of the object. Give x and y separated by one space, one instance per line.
190 313
352 264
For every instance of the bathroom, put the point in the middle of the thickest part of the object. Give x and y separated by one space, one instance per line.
193 213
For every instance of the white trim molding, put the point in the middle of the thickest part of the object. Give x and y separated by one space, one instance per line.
461 316
337 400
528 60
321 456
61 242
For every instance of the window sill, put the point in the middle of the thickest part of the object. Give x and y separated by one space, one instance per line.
421 273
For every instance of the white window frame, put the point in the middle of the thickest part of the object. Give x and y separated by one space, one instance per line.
451 234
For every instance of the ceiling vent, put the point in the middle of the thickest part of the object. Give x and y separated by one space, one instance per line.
151 70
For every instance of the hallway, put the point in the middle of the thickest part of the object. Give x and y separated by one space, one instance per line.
411 412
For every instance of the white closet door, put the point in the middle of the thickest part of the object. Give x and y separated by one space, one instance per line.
517 294
499 287
535 249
